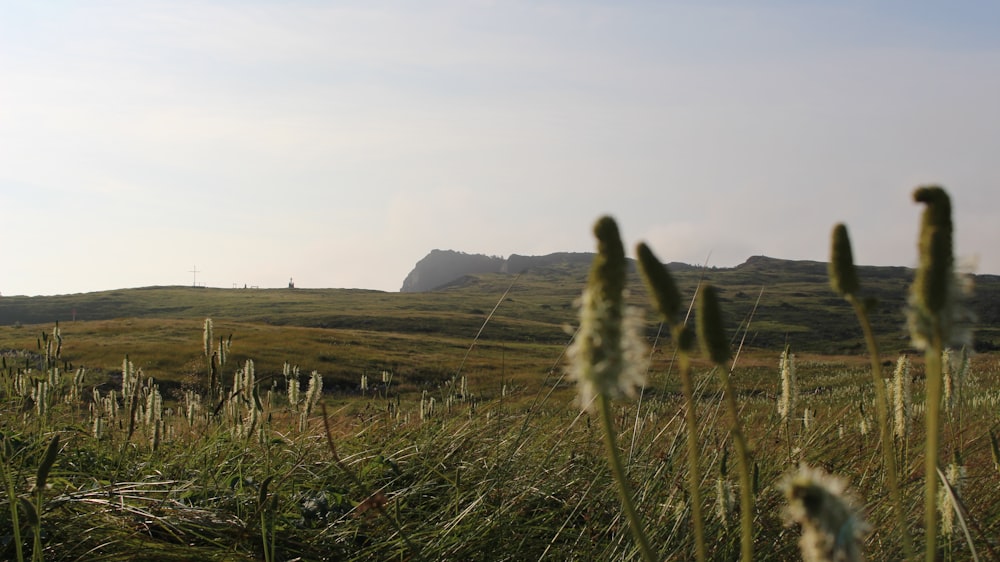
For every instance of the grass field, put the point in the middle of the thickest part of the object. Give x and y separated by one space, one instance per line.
356 425
506 461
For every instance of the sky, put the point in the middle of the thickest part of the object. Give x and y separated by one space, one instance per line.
337 143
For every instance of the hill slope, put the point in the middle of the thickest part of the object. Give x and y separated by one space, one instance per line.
796 305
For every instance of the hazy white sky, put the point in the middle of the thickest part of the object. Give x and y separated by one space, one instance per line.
339 142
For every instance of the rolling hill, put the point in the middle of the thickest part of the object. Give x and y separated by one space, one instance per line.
450 294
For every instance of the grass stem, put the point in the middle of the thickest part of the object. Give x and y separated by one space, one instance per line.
932 368
694 478
618 471
885 435
746 483
8 478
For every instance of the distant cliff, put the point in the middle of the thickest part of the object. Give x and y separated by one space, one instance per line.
443 267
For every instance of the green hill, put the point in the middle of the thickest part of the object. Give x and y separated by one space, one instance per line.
790 302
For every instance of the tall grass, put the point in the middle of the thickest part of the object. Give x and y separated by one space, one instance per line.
499 470
527 472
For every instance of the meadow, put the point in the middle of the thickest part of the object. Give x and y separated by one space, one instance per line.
445 427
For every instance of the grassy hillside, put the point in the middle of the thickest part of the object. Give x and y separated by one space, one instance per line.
427 338
473 450
796 306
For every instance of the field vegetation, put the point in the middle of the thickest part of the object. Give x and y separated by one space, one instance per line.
358 425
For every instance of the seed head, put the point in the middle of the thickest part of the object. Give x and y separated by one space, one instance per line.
686 339
948 493
207 337
902 395
843 276
608 356
934 307
725 500
607 272
660 284
789 388
937 214
711 332
832 526
930 287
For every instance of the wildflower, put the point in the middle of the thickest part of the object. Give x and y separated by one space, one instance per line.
725 499
207 338
314 392
425 408
789 389
832 526
902 395
947 494
608 356
154 406
292 382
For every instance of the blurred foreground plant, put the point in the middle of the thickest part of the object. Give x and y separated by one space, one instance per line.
715 344
844 280
667 301
935 320
832 525
608 358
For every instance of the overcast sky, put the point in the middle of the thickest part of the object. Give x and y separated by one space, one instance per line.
337 143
